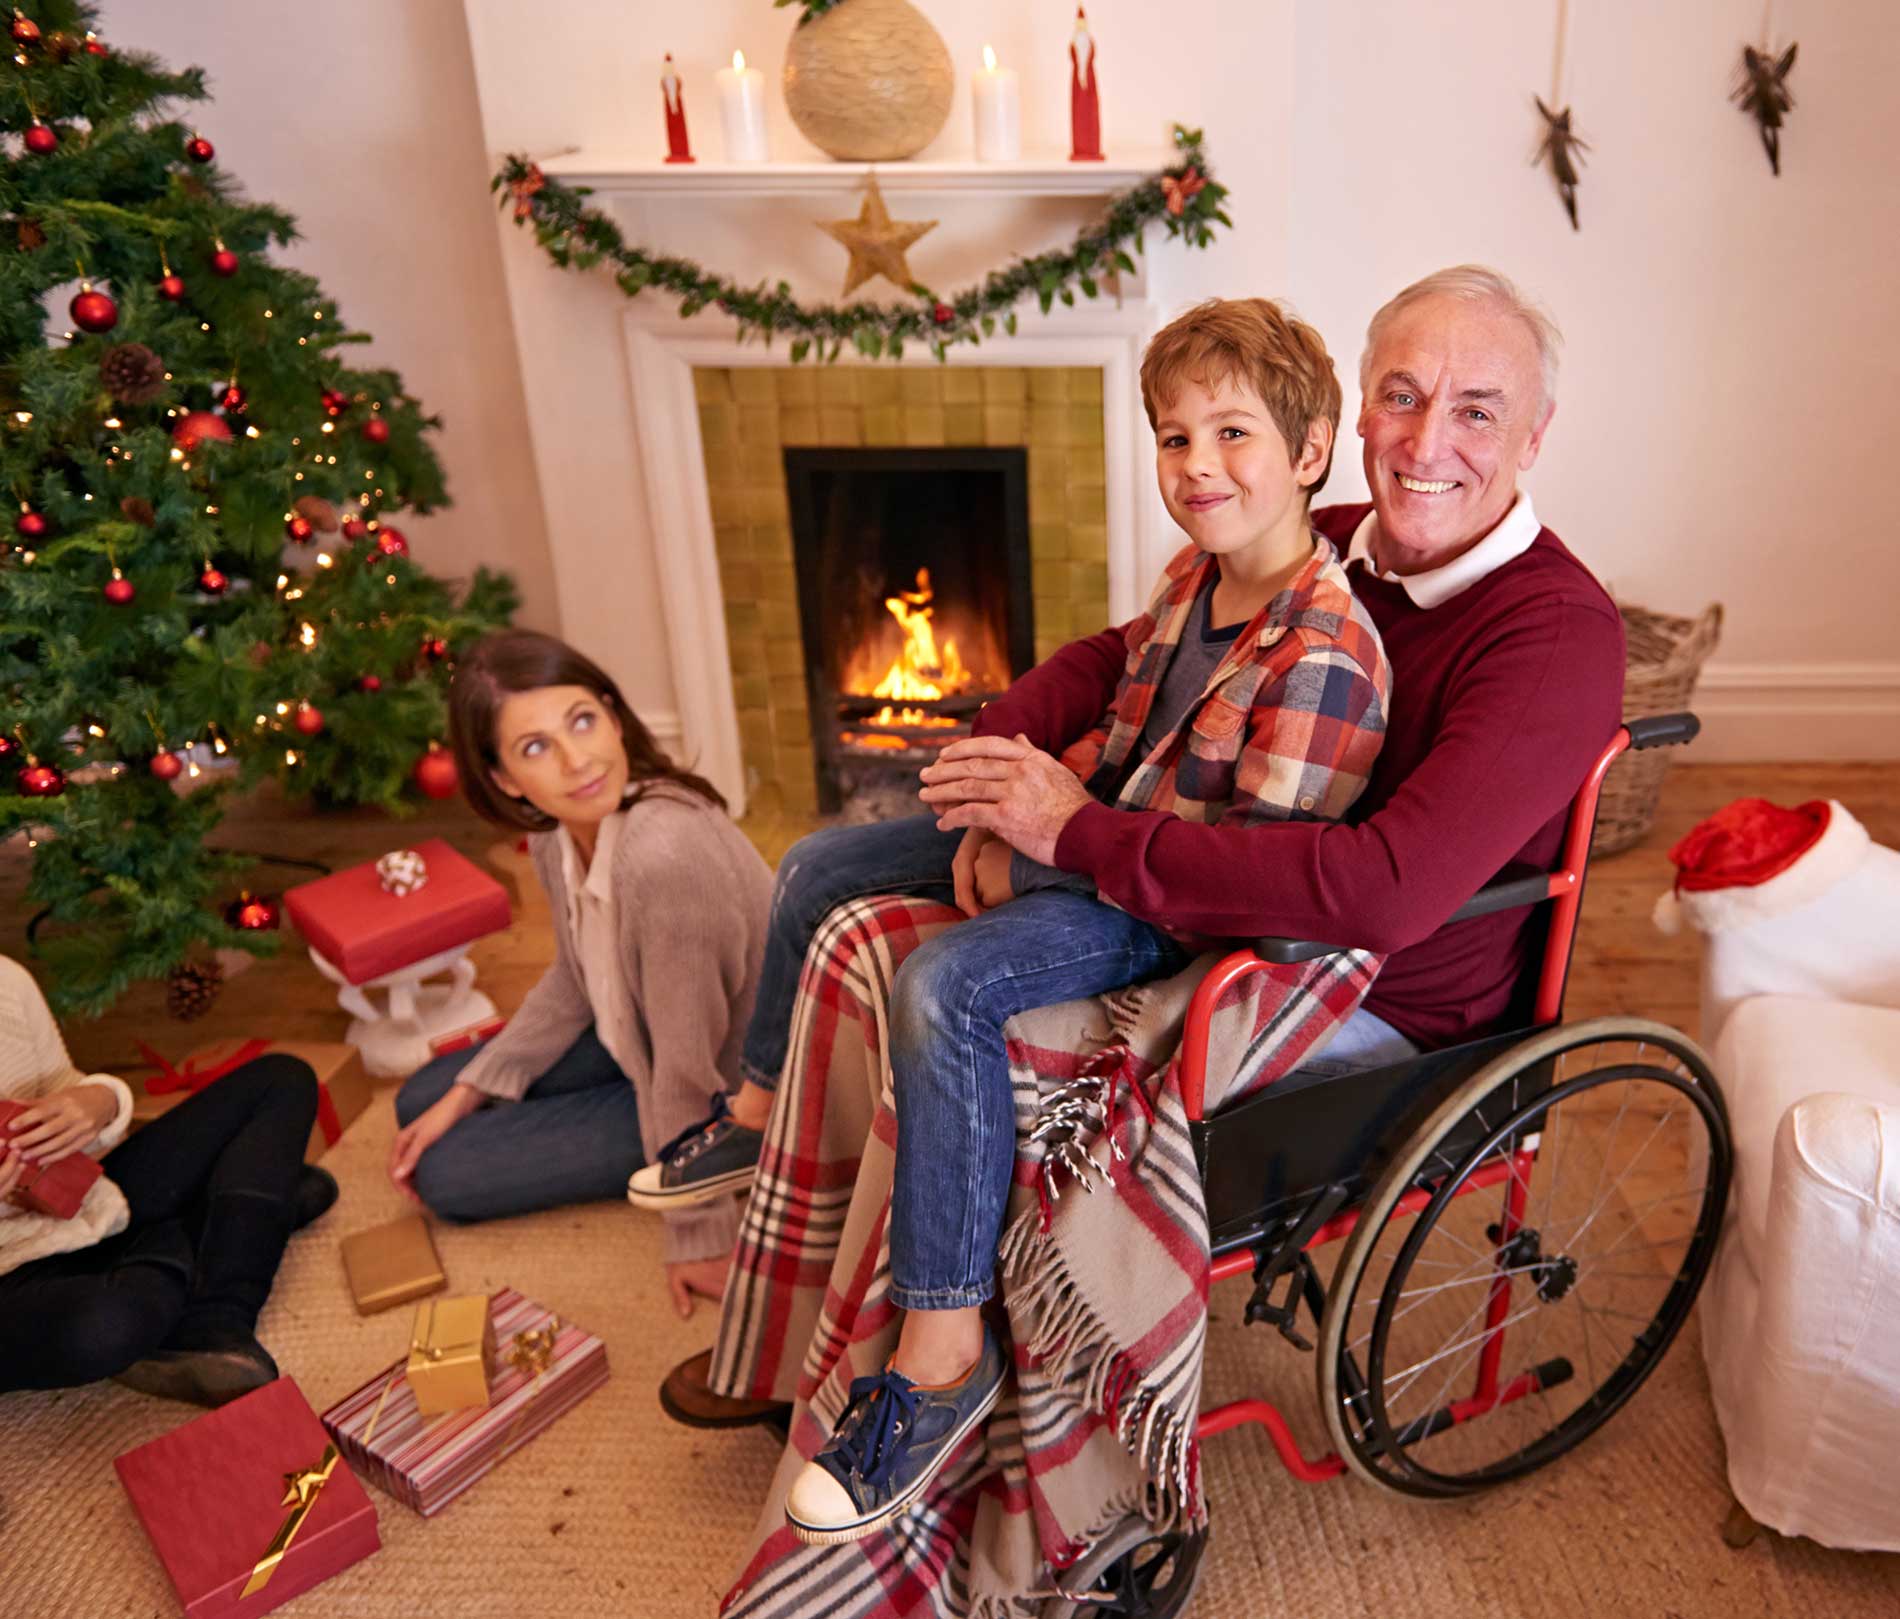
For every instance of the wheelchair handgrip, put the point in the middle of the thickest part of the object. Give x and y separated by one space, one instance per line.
1662 730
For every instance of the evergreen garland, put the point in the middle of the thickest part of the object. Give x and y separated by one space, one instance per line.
811 8
1182 198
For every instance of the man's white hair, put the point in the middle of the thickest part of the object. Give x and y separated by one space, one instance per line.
1474 283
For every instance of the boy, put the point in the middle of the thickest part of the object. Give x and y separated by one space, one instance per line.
1254 690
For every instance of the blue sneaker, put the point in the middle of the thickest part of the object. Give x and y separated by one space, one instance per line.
892 1440
712 1159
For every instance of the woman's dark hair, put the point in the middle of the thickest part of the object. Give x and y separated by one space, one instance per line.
493 670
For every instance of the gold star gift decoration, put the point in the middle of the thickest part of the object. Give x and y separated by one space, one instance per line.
876 242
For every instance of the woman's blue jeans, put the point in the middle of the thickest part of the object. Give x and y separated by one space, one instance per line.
574 1137
956 1117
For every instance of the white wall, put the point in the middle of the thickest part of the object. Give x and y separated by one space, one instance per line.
360 119
1733 339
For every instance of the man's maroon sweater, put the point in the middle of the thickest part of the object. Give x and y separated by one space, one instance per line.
1502 698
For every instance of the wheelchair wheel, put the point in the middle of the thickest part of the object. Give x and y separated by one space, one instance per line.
1134 1572
1527 1258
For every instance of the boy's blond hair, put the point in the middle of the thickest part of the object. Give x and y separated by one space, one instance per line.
1252 341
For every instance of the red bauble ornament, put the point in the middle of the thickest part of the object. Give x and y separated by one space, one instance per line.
25 30
195 426
435 649
200 150
212 582
119 589
376 430
435 772
308 719
371 684
354 528
42 781
96 47
30 526
172 287
93 311
335 402
300 530
943 314
41 139
8 748
232 398
224 261
256 913
166 766
392 542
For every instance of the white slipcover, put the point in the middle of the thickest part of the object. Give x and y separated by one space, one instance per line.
1801 1313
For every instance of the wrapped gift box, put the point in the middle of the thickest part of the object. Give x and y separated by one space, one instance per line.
451 1354
217 1495
364 931
545 1366
343 1087
57 1187
391 1264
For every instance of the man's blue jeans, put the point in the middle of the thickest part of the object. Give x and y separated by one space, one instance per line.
956 1136
574 1137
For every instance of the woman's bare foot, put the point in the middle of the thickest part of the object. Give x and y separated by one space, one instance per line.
939 1346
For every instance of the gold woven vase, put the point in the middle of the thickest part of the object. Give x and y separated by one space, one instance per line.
869 80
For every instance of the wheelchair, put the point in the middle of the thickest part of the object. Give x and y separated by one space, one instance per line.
1527 1219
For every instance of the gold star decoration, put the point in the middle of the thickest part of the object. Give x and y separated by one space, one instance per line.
876 242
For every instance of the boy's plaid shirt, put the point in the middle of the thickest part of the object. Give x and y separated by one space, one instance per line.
1290 722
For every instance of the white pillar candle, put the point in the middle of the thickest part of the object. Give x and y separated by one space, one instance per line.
998 104
742 110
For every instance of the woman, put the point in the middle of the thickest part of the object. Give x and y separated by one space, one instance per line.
659 905
158 1278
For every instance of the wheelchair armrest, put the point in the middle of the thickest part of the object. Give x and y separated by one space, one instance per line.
1662 730
1514 887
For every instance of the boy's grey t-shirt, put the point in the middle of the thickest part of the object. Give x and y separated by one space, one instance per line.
1195 660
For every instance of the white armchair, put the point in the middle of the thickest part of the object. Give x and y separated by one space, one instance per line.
1801 1313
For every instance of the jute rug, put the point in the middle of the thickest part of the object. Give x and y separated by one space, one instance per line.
615 1511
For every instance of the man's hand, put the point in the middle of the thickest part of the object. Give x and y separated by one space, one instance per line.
992 874
425 1130
1007 786
62 1123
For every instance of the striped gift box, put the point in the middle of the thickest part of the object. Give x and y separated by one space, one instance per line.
426 1462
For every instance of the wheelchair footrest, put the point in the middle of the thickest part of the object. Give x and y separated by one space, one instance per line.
1288 1258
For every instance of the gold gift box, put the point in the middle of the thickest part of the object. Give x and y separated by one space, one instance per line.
451 1354
392 1264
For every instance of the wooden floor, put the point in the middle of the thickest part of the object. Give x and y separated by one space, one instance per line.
1622 964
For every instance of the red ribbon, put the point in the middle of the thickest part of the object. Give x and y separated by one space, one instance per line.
327 1121
192 1078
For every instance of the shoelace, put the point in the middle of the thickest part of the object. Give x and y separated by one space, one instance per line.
695 1138
884 1406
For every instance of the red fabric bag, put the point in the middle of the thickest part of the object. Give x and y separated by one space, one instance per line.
364 931
56 1188
217 1495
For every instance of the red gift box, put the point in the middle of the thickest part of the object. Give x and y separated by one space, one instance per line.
364 931
217 1496
56 1188
343 1088
544 1366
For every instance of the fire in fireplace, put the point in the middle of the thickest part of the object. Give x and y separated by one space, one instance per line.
914 604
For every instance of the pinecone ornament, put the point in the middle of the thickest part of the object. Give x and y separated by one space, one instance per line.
132 373
318 513
139 510
191 987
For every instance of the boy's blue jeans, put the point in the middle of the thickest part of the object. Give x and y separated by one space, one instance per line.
956 1137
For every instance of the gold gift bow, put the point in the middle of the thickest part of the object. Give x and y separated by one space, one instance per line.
300 1495
532 1352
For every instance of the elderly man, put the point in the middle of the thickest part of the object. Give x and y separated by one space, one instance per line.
1507 661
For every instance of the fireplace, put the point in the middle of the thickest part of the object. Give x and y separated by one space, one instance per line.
914 606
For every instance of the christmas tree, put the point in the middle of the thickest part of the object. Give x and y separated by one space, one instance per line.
200 582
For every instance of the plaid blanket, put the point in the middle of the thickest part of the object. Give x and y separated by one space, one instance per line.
1106 1291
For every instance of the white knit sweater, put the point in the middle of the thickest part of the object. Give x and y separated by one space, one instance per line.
34 1063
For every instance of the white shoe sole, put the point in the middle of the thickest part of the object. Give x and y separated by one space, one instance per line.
685 1197
844 1534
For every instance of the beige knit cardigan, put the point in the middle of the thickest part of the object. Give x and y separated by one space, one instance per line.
34 1063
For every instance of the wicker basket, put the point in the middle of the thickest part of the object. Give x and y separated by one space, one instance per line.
1665 656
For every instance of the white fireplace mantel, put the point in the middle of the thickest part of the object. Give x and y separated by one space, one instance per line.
619 174
660 362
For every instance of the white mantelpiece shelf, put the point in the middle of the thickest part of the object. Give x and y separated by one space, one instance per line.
616 174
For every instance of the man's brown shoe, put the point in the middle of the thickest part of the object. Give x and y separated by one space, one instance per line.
685 1397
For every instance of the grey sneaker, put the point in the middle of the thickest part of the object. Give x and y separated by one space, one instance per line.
712 1159
892 1440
